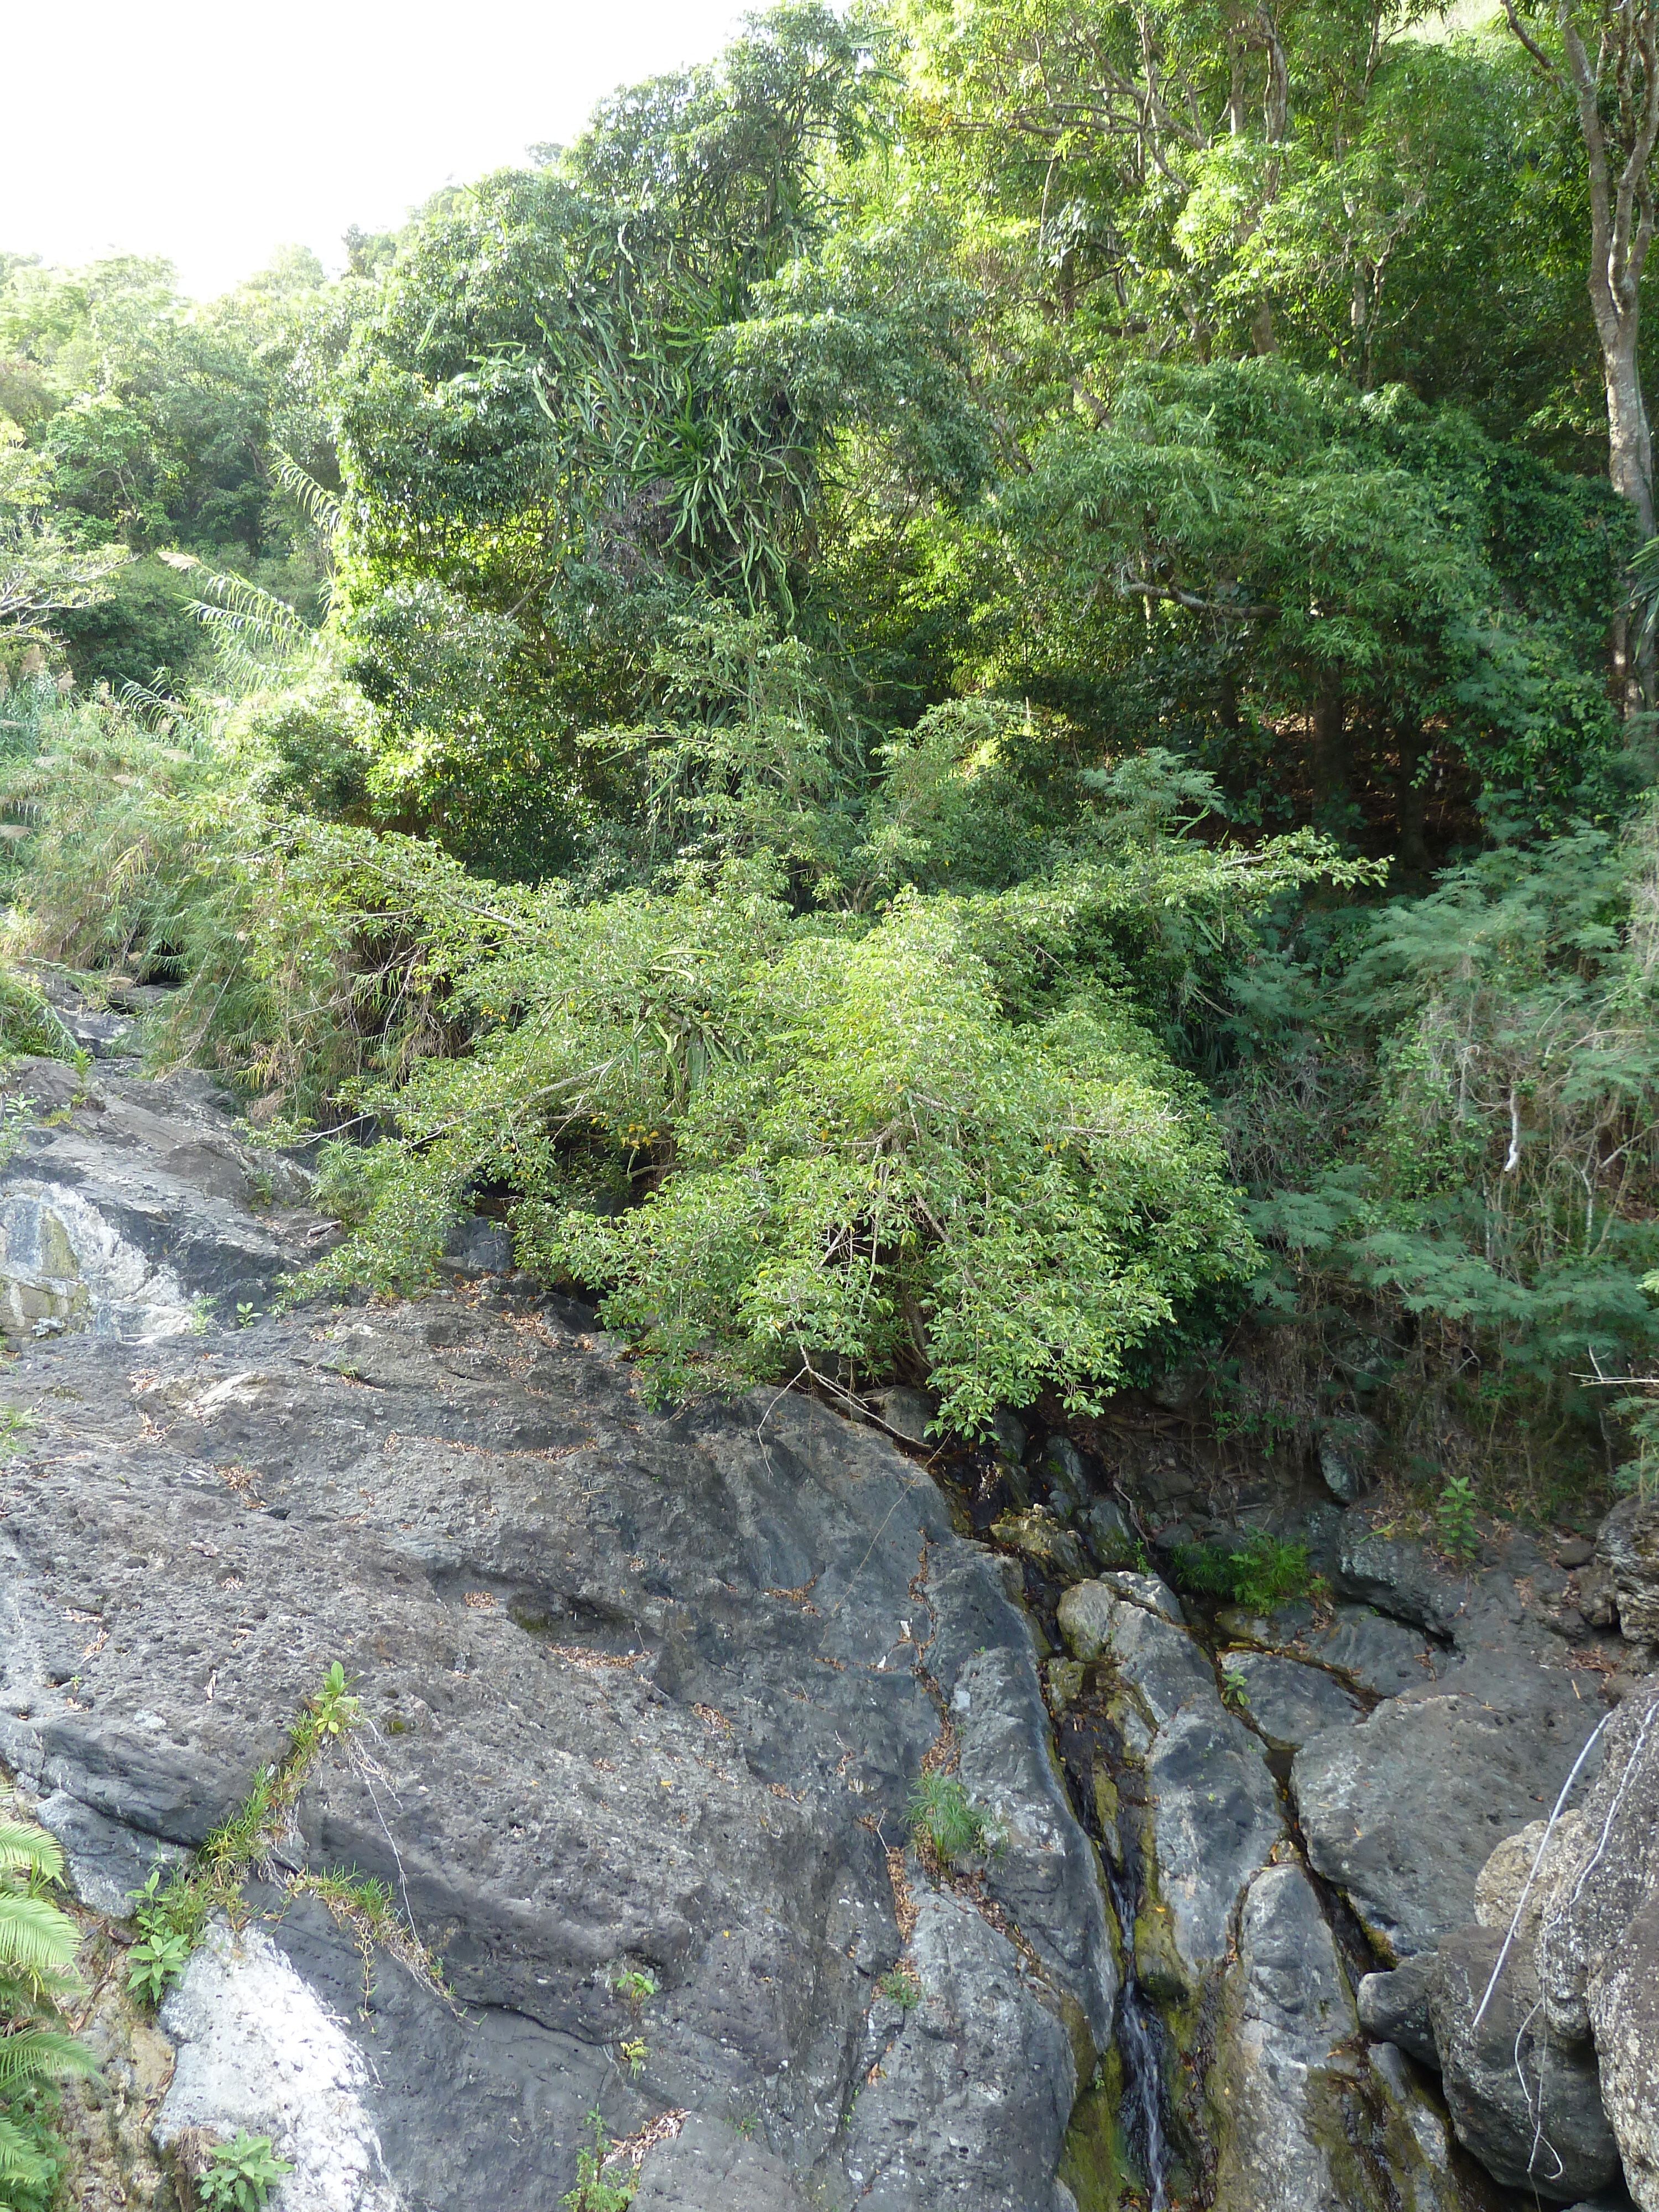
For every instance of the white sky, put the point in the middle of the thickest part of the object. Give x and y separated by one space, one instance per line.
213 132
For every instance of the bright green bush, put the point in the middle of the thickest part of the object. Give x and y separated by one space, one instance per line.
900 1146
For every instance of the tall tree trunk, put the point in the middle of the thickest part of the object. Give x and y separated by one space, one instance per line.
1327 768
1411 796
1617 97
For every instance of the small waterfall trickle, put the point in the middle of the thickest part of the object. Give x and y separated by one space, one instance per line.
1085 1739
1136 2034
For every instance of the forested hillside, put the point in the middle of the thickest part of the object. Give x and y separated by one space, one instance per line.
969 700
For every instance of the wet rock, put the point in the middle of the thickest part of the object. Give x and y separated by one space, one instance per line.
257 2050
1292 2010
1628 1551
129 1203
1067 1478
1524 2102
1403 1811
1008 1436
1107 1532
1036 1535
1042 1872
1394 2007
1159 1665
1216 1819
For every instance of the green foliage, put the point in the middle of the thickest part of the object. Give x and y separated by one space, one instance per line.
593 2192
29 1023
239 2175
635 1985
1455 1519
171 1915
852 1145
900 1987
945 1817
1258 1575
748 749
329 1715
38 1942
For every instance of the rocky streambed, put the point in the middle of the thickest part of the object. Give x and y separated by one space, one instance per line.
643 1698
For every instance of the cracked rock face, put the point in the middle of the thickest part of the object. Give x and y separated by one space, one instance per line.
638 1691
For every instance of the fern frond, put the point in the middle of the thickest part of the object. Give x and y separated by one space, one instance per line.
21 2167
41 2054
323 509
35 1937
27 1850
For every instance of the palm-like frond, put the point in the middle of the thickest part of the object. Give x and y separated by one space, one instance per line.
29 1850
323 510
36 1939
20 2166
40 2054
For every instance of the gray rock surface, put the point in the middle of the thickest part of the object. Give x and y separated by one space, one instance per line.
637 1688
1394 2007
708 2167
1525 2102
1598 1946
257 2049
1403 1811
128 1200
1291 1701
1628 1551
1293 2010
1385 1657
1216 1819
915 2138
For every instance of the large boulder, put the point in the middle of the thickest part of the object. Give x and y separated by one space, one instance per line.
637 1689
1403 1811
1598 1945
1525 2101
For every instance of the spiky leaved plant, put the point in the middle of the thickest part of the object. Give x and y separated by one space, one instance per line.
37 1945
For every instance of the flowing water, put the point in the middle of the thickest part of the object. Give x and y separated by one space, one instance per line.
1137 2037
1085 1739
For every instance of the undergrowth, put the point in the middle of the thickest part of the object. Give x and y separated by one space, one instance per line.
172 1912
945 1819
38 1942
1259 1574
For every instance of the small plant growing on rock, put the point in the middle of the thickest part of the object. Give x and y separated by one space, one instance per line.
1454 1516
331 1713
592 2192
239 2176
944 1817
634 2053
635 1985
1236 1685
1259 1574
900 1987
169 1921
